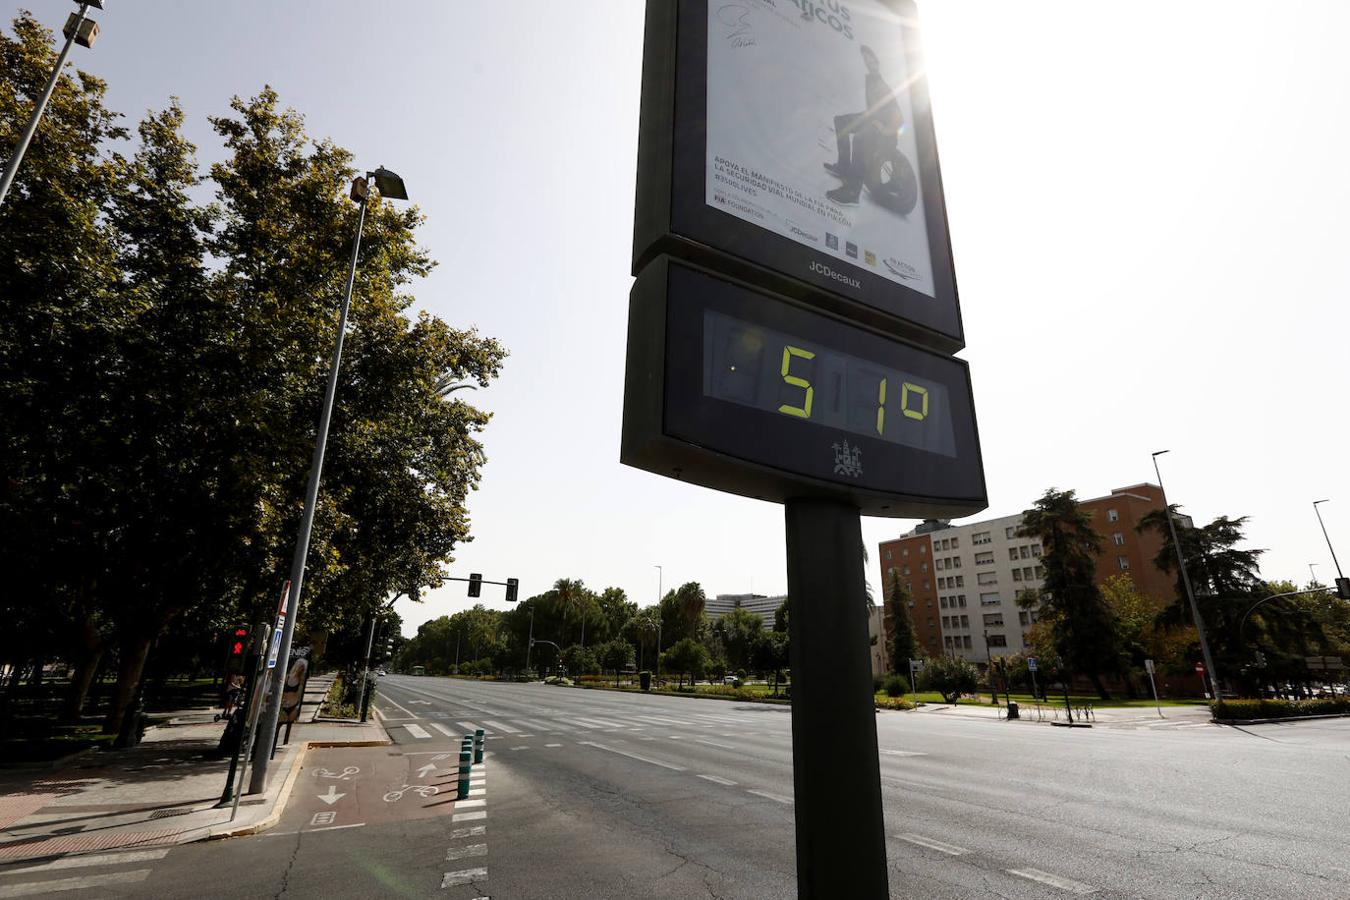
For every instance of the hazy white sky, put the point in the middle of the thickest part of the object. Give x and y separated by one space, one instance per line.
1148 203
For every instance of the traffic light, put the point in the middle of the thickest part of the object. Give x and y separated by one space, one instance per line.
389 647
239 642
1343 588
512 584
476 584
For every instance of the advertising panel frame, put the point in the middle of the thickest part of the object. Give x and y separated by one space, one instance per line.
672 215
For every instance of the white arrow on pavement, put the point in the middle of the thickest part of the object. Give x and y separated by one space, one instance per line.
422 772
332 796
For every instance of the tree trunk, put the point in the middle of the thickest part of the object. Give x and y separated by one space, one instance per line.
1100 686
80 682
129 670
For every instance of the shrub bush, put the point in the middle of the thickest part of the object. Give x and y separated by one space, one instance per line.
896 686
895 703
1278 709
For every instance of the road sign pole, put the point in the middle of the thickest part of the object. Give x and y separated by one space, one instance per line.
837 856
1148 667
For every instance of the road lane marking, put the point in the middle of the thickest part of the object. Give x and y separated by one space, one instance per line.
607 723
553 745
465 852
498 726
417 731
536 725
101 859
774 797
662 720
478 792
939 846
1064 884
469 816
464 876
471 831
468 804
521 747
718 779
471 727
646 759
400 706
442 729
586 723
713 744
902 753
84 882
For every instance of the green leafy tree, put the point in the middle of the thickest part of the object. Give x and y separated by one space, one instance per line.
616 611
686 657
616 655
682 613
738 630
902 644
1085 630
951 676
781 615
770 656
580 661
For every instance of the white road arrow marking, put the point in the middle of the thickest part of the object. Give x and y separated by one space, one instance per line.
332 796
422 772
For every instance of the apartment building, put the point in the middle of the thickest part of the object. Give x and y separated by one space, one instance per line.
762 606
964 580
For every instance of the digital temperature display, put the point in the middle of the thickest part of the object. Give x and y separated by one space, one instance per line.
737 389
795 376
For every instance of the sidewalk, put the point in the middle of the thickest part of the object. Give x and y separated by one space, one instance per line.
161 792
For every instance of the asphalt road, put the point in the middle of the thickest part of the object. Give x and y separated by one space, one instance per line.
589 794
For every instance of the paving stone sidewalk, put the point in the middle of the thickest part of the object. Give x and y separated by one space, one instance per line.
163 791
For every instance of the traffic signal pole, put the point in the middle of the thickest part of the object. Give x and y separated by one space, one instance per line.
835 764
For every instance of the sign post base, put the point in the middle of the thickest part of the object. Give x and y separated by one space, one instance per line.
841 840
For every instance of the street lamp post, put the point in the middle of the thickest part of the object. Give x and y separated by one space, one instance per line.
390 186
1340 576
1186 582
79 30
660 576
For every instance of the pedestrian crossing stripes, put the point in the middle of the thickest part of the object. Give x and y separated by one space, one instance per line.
512 726
417 731
443 730
470 728
498 726
81 883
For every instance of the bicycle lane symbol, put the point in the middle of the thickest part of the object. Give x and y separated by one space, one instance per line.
422 790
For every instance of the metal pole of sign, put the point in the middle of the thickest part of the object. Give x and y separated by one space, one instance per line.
530 646
913 682
1035 691
261 676
1148 667
835 765
365 672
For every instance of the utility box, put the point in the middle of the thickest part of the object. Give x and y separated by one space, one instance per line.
84 31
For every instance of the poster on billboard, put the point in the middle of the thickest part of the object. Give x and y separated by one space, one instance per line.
795 136
817 141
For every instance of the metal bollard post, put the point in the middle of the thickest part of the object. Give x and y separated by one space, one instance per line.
464 763
478 740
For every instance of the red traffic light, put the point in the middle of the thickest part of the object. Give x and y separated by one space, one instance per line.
239 641
237 649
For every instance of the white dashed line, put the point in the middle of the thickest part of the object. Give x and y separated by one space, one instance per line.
553 745
713 744
471 727
1064 884
465 876
654 762
417 731
718 779
468 816
901 753
774 797
471 831
465 852
939 846
522 747
498 726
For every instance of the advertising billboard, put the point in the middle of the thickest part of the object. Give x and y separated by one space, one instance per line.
794 138
816 142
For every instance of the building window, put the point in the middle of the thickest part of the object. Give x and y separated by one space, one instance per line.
1017 574
1012 553
984 559
1023 618
989 600
946 622
888 554
1036 551
906 570
965 621
1119 539
957 560
942 601
909 585
997 640
987 578
1028 573
904 553
946 544
1025 551
961 600
965 641
1123 562
923 549
928 587
980 537
1010 532
923 567
1112 516
956 542
993 619
960 581
1040 572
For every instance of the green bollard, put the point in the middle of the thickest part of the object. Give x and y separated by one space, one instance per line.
464 764
478 740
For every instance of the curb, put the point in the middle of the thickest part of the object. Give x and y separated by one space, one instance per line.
283 795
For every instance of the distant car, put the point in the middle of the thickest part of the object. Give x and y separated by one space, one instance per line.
729 679
380 672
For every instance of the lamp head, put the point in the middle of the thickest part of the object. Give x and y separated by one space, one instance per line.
1315 502
1157 453
96 4
390 184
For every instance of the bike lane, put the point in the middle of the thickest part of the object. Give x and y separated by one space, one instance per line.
352 787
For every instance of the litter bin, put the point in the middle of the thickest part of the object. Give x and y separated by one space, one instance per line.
1012 710
645 680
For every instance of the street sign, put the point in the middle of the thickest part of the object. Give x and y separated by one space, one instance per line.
797 145
1031 663
916 665
1148 666
735 389
275 650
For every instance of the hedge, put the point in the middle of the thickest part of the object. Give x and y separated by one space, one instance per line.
1279 709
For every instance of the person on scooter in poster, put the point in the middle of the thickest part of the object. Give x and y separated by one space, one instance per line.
868 145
